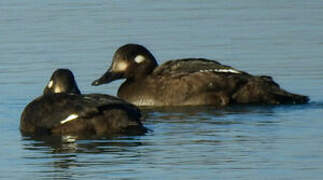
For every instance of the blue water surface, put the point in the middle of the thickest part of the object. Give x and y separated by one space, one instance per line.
283 39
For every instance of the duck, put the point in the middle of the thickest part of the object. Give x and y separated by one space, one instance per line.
63 110
189 82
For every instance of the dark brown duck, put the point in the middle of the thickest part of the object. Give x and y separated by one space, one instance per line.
63 110
189 82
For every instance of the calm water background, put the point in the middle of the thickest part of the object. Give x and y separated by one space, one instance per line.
283 39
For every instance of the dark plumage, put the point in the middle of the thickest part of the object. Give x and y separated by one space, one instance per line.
192 81
63 110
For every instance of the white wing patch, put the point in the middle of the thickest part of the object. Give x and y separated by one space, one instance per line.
221 70
140 59
50 84
69 118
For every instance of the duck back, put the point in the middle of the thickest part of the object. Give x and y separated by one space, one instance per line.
64 113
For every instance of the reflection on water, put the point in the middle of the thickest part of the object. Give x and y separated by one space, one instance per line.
184 140
73 144
213 115
56 156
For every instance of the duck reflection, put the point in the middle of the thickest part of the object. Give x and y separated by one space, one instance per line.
207 113
58 156
78 144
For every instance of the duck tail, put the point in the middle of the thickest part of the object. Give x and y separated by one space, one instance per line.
263 90
284 97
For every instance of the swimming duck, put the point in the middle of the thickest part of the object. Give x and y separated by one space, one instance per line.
189 82
63 110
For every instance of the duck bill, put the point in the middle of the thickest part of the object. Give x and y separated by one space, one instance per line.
107 77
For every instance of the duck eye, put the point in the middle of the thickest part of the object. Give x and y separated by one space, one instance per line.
139 59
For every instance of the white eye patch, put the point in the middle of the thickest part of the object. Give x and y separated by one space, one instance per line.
50 84
57 89
139 59
120 66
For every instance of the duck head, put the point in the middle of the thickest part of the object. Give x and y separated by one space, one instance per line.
130 61
62 81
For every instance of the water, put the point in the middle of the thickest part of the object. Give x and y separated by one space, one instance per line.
278 38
